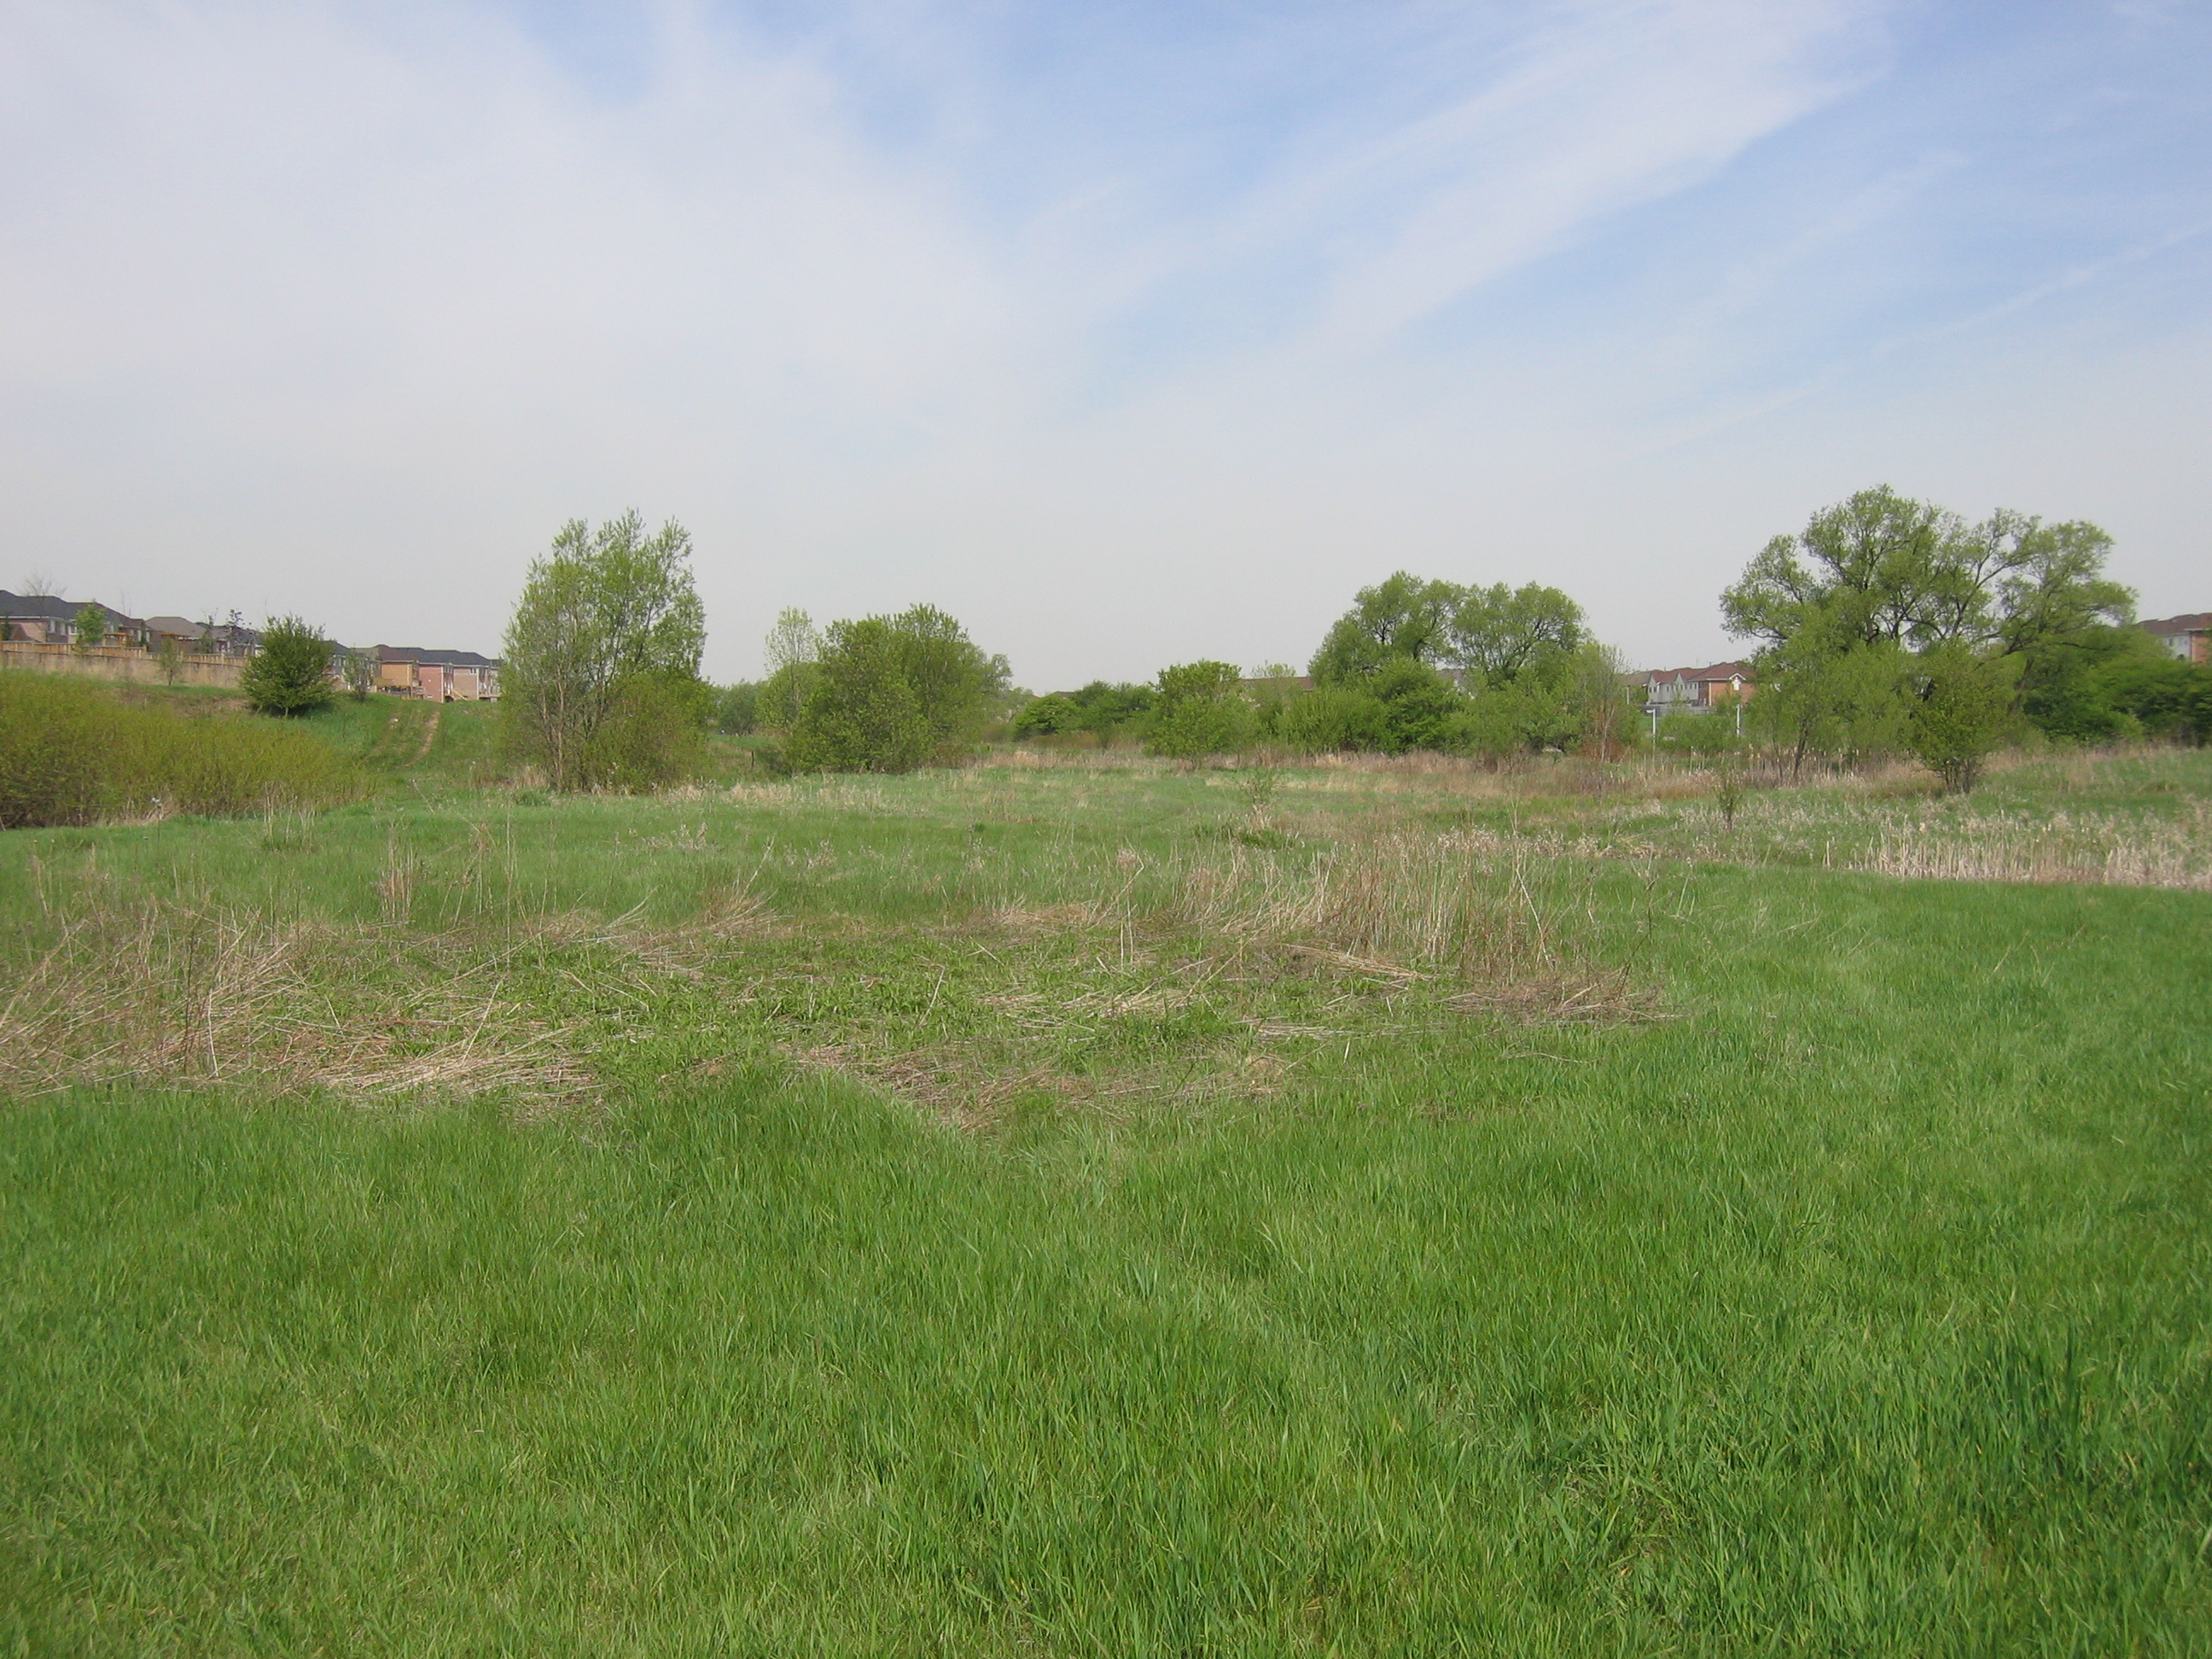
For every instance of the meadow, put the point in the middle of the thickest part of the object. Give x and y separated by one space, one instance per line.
1078 1205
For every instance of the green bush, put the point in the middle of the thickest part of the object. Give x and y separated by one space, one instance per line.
1330 718
653 734
1203 710
291 672
1098 709
889 693
71 752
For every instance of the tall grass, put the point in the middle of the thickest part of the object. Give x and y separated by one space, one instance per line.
72 753
1042 1211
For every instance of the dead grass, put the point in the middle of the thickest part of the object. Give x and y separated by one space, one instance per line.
166 995
2062 847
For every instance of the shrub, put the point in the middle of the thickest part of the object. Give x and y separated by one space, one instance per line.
1201 710
653 734
888 694
1964 704
1332 717
737 707
71 753
1420 706
291 672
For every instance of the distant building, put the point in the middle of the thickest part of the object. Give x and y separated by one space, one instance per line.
42 619
409 671
2189 637
1696 691
205 638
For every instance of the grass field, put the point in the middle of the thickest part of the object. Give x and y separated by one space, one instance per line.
1096 1208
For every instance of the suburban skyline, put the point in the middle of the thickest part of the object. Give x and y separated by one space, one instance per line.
1128 336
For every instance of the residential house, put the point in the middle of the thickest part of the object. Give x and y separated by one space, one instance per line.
2188 637
1696 691
42 619
205 638
408 670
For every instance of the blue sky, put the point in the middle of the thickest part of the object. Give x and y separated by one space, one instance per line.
1130 333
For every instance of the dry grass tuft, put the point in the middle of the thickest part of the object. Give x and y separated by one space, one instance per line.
168 996
2003 846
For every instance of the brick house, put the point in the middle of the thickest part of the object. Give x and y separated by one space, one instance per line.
2188 637
407 670
42 619
1696 691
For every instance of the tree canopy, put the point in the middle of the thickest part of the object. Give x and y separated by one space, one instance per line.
603 653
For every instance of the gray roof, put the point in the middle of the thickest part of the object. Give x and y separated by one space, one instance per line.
45 607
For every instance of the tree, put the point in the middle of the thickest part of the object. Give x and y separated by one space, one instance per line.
601 611
358 670
1201 710
90 626
889 693
1840 608
170 657
1962 704
737 707
1499 634
792 648
1403 616
291 673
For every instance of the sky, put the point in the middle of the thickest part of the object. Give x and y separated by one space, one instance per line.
1129 333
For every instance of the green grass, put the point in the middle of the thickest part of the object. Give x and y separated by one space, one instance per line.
1841 1287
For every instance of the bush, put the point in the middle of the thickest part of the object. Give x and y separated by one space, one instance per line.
653 734
1203 710
1421 708
1964 704
1331 718
1098 709
71 753
737 707
889 693
291 672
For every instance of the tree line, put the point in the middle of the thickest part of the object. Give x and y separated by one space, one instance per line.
1885 626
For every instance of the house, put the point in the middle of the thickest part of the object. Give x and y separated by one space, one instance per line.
2188 637
409 671
1697 691
206 638
42 619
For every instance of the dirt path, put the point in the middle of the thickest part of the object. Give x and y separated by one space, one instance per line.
430 733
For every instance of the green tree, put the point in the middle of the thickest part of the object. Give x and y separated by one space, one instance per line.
1402 616
790 651
737 707
1880 574
889 693
1201 710
170 657
1502 635
88 628
291 672
600 611
1815 699
1963 702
